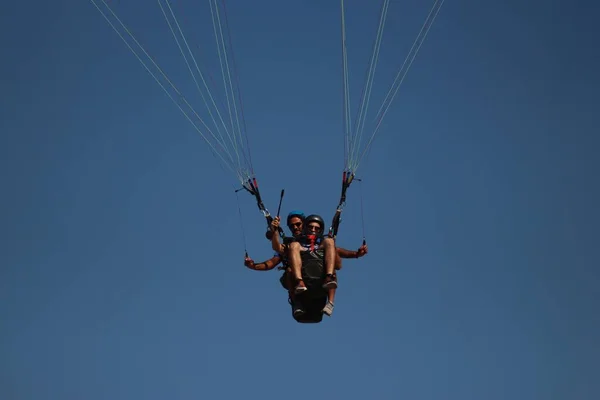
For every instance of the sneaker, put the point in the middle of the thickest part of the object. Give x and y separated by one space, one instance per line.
328 309
298 311
300 287
330 282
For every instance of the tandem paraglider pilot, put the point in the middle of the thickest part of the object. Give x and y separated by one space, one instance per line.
310 260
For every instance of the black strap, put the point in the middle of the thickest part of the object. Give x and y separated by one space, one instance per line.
347 178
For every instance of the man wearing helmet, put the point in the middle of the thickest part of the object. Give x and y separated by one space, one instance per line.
296 222
312 240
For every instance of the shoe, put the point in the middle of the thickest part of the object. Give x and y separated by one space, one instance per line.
298 311
300 287
330 282
328 309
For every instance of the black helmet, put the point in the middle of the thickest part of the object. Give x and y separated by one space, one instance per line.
315 218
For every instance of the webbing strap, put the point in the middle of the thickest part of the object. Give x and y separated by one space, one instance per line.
347 178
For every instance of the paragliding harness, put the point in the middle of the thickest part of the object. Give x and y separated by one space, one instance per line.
313 263
314 299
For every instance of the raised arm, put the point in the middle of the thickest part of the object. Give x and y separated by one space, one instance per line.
263 266
344 253
277 246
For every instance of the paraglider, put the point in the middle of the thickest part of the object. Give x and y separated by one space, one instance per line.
317 297
310 256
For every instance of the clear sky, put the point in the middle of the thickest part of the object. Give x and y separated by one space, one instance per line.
121 266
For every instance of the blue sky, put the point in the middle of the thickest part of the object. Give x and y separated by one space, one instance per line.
121 270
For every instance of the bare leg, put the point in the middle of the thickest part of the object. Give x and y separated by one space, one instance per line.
330 280
296 265
328 309
290 283
331 292
337 266
331 295
330 254
338 261
296 308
